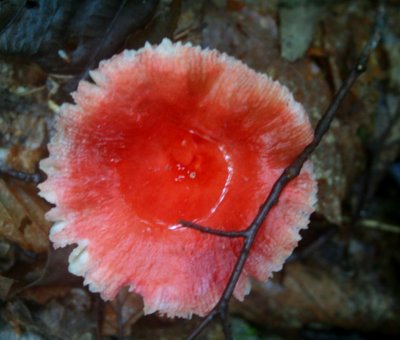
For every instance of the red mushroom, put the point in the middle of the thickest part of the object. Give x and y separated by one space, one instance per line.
168 133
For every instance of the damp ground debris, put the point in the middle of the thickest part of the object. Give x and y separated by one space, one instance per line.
341 282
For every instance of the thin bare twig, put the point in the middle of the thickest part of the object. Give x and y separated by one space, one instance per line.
378 225
249 234
20 175
208 230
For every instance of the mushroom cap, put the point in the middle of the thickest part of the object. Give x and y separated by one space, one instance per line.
167 133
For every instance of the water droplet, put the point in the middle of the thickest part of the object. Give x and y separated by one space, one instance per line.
175 227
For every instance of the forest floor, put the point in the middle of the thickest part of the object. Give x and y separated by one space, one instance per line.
343 279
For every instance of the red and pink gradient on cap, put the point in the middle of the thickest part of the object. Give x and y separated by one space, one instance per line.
167 133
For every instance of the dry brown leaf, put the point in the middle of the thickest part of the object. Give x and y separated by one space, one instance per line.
311 294
121 313
22 216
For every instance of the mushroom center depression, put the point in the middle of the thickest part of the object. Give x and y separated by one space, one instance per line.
169 173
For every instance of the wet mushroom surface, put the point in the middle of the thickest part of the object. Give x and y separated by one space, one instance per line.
341 281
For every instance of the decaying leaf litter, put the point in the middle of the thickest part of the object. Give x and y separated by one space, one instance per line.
331 269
